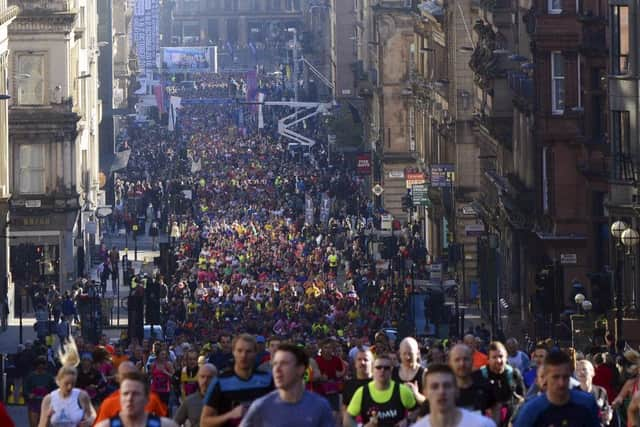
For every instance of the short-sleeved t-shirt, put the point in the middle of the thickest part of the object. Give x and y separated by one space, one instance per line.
381 396
468 419
229 390
271 411
329 367
580 411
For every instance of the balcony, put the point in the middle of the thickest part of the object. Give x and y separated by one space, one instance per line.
521 84
624 169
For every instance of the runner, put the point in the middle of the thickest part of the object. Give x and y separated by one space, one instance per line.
36 386
504 382
134 397
440 390
67 406
472 395
290 404
559 406
229 396
111 406
409 372
382 402
191 407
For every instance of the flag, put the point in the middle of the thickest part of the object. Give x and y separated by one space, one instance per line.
158 92
260 115
121 160
176 104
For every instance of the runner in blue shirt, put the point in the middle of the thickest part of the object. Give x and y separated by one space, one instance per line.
290 405
559 406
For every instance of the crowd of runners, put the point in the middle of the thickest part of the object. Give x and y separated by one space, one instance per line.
274 312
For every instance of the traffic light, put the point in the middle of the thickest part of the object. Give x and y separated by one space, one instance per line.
601 292
407 202
544 288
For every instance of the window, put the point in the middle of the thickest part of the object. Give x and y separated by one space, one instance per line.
621 145
227 4
32 169
31 90
619 39
557 82
554 7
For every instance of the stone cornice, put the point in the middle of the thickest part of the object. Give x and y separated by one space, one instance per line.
8 14
44 23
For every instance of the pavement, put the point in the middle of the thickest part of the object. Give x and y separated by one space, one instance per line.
10 338
142 259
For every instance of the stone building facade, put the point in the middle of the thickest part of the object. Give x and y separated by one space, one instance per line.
53 131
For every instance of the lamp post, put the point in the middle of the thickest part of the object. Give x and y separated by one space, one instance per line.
630 239
624 236
579 299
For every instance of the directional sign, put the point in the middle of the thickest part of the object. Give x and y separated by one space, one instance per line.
419 194
442 175
412 178
377 189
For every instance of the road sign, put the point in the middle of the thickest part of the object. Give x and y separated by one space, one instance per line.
474 230
419 194
377 190
386 223
412 178
568 259
442 175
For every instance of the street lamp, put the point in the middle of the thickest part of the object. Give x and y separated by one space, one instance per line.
630 239
627 237
579 299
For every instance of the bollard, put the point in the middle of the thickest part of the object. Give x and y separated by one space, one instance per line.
4 378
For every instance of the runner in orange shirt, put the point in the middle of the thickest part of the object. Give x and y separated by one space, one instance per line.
479 358
110 407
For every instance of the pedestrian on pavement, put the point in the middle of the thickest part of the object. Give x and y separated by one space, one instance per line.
154 232
290 403
114 261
